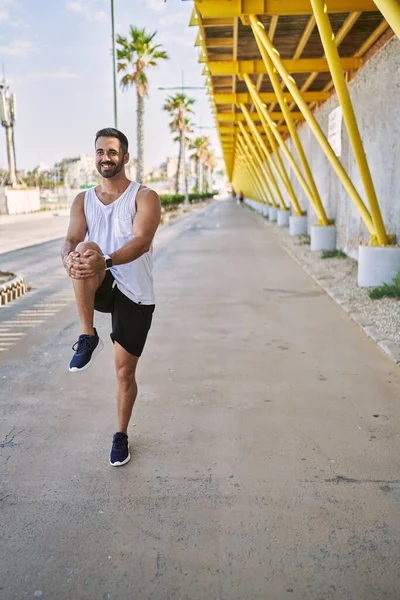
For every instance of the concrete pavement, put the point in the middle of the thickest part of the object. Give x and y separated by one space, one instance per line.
265 442
21 231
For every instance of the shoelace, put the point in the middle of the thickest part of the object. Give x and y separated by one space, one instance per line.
82 345
118 443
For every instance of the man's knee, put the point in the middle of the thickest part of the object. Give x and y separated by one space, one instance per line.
83 246
125 374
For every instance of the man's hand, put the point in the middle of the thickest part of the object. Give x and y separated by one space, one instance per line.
88 265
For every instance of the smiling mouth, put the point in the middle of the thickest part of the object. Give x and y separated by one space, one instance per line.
108 166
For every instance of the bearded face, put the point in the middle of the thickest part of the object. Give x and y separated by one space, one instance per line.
110 160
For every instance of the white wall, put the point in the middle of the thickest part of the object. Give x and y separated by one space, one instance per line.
15 201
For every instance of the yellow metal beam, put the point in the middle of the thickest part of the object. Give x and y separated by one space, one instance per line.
270 128
224 42
391 11
236 117
375 35
209 23
255 158
309 28
267 97
248 167
214 57
317 203
300 65
238 8
248 170
292 197
271 32
231 129
339 37
332 55
314 125
270 177
195 18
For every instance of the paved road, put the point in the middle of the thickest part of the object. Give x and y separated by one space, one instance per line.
21 231
266 437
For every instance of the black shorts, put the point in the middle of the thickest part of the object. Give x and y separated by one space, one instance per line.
130 321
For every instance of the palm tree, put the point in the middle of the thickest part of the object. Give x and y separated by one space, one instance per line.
136 54
179 107
200 146
210 164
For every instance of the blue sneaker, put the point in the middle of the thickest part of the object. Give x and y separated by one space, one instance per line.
86 349
120 454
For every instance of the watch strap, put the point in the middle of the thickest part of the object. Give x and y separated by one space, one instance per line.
108 261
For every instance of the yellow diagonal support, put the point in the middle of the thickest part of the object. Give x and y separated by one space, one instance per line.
258 171
292 196
246 142
264 187
272 135
249 173
332 55
391 11
269 125
269 175
317 204
314 125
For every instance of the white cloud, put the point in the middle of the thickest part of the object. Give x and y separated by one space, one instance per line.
156 5
5 9
88 9
19 48
9 14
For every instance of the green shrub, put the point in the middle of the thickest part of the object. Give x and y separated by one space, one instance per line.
387 290
333 254
171 201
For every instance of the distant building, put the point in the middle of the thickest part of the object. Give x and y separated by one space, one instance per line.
80 172
171 165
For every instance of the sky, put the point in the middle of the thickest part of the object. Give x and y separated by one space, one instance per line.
57 60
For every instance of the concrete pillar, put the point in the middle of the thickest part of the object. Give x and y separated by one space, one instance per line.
298 225
283 218
323 238
272 213
377 265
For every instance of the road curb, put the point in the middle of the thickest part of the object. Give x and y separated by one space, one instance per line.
11 290
391 349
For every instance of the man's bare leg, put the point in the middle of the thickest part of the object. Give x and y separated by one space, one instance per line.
85 291
125 366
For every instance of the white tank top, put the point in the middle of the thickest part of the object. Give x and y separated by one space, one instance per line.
111 227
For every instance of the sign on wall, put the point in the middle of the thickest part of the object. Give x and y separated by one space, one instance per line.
335 130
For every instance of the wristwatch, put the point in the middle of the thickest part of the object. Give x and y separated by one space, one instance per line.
108 261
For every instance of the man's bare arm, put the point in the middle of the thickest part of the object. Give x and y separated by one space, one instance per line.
77 228
147 219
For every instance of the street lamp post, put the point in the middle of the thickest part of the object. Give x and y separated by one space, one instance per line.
114 65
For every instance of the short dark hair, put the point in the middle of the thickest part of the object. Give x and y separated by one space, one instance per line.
111 132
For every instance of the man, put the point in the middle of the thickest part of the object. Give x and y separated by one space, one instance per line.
112 271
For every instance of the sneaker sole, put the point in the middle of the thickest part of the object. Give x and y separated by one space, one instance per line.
96 351
121 464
